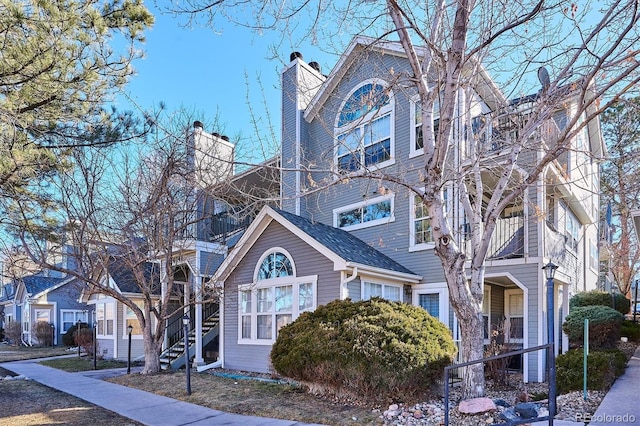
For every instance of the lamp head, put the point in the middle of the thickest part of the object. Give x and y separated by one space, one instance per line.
185 319
550 270
130 328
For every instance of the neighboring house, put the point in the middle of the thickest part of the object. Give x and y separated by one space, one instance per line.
112 318
359 238
40 297
29 295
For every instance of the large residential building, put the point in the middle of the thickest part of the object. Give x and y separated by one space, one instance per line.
338 235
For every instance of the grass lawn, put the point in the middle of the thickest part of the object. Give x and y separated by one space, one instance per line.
27 403
241 396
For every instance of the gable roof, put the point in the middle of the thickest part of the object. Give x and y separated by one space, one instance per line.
36 284
124 278
483 84
346 251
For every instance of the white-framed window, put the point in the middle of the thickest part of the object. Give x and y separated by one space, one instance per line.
392 292
572 229
364 129
105 315
434 299
514 306
374 211
421 231
593 256
71 317
486 312
416 137
130 319
276 299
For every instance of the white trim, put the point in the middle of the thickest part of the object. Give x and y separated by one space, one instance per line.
269 252
360 123
363 204
383 285
525 339
443 298
271 284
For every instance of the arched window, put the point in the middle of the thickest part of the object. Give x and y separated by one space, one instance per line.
275 298
275 265
364 129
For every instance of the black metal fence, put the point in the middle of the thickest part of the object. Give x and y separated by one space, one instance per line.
548 347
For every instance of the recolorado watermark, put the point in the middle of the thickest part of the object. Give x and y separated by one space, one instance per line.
615 419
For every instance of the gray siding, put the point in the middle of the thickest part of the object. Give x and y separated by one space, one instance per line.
209 262
307 262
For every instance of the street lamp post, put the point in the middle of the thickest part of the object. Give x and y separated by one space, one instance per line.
613 295
78 336
185 322
129 329
635 301
53 334
95 346
550 271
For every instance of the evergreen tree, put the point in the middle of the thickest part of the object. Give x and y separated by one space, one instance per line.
621 186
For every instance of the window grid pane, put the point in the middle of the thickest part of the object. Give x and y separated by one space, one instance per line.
431 303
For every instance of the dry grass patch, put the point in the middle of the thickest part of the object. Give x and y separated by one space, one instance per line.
250 397
20 353
27 403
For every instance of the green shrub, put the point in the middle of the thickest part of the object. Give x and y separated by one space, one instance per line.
601 298
603 368
630 330
604 326
374 349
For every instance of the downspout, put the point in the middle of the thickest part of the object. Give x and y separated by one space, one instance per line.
345 281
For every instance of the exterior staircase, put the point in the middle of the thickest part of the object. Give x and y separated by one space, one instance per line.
174 356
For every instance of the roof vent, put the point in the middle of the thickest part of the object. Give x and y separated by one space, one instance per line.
315 65
198 125
295 55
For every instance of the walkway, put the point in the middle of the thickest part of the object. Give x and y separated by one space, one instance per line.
141 406
619 407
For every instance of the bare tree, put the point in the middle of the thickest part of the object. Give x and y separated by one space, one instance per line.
584 53
126 211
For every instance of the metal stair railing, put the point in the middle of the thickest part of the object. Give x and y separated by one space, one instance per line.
176 340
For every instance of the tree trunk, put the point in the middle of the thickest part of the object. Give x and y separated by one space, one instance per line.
152 350
472 347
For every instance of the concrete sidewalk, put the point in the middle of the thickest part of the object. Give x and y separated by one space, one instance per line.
141 406
621 405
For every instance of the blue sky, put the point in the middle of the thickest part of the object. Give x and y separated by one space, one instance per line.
207 72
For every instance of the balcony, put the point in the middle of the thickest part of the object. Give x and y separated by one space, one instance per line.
507 242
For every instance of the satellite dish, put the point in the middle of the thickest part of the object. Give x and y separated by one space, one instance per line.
543 76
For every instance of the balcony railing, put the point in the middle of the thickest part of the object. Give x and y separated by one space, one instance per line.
507 241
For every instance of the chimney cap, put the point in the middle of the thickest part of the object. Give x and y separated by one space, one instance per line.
315 65
198 125
295 55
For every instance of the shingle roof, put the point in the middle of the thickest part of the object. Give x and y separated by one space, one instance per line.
35 284
123 276
344 244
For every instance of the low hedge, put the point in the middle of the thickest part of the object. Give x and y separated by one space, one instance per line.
601 298
630 330
603 368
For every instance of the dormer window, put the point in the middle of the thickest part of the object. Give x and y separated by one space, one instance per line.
364 129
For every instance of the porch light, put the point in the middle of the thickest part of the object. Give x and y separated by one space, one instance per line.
550 270
130 328
185 320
